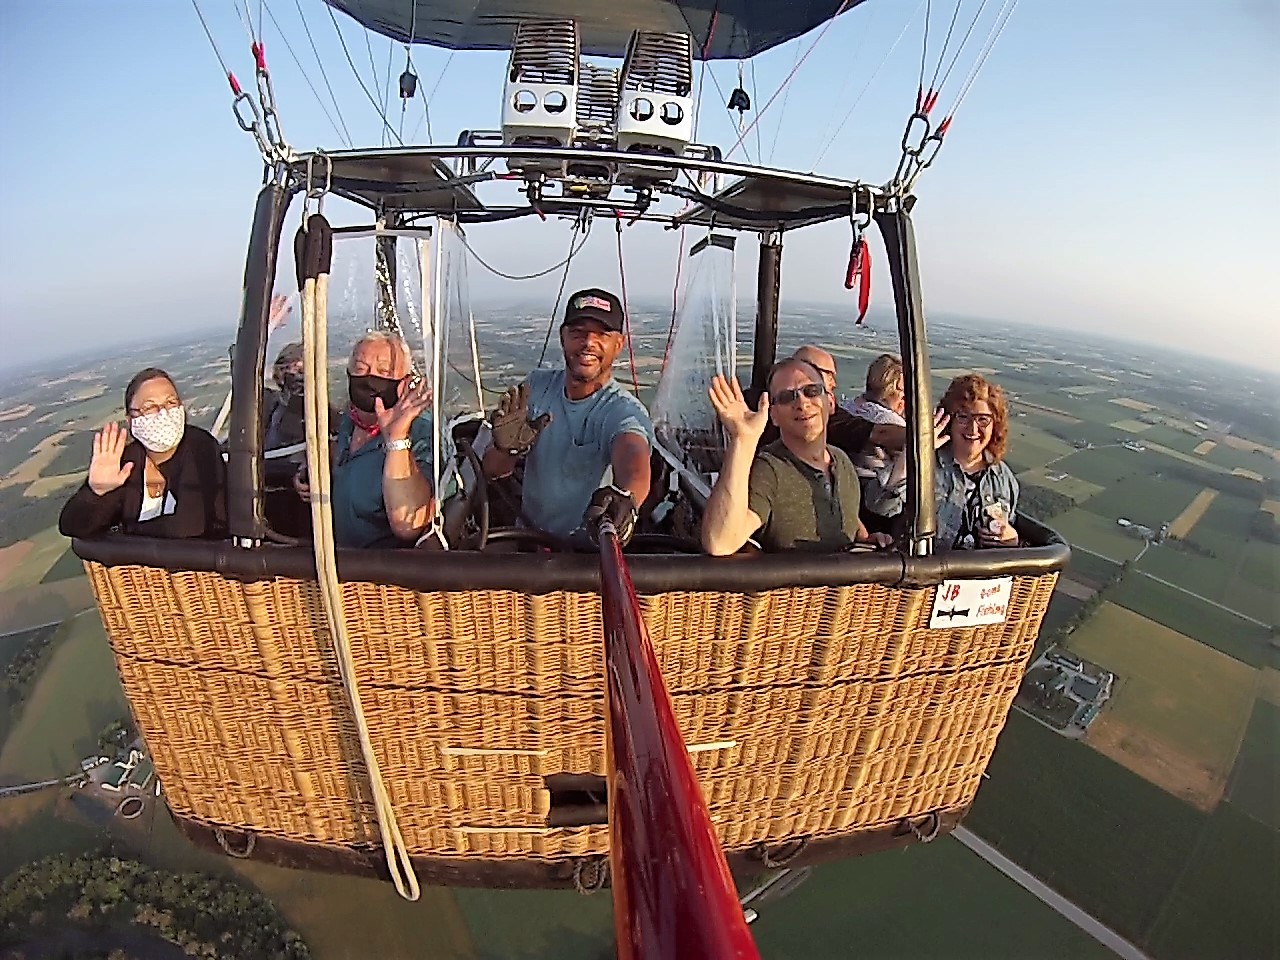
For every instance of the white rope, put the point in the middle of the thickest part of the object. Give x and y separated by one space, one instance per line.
440 332
316 402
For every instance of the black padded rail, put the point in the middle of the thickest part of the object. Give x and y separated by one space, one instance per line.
457 571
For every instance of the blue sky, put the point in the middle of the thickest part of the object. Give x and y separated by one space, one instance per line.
1116 168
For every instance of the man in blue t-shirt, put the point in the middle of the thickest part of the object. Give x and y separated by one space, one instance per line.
572 426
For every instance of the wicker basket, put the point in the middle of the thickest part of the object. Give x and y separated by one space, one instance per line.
811 712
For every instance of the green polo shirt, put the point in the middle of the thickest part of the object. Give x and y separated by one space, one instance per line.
798 506
359 515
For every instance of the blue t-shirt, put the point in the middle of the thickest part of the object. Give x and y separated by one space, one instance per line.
569 460
359 514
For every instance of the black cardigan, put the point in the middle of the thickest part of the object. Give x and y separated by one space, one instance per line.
195 475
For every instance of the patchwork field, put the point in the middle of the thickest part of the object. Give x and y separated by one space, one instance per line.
1203 448
1255 781
1189 517
1073 487
1179 709
1132 404
33 560
1053 413
1083 528
1138 499
1075 589
1131 426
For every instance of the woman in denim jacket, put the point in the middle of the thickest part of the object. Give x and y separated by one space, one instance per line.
977 493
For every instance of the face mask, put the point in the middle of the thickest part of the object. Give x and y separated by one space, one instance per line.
365 389
291 382
161 431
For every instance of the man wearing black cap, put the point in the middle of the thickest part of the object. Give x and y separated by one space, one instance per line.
573 425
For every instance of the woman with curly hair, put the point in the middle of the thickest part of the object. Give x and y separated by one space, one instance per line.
977 493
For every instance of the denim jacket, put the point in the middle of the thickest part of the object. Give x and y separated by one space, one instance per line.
962 500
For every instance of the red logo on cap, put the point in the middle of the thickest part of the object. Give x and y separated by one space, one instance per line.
598 302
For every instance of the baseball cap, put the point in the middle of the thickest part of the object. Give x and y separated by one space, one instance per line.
595 304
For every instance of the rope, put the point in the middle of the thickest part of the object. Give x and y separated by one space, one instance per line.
529 276
244 853
773 147
626 310
993 35
924 53
314 92
788 851
789 77
755 98
675 306
426 101
315 349
590 874
555 307
351 63
867 86
324 75
960 49
946 42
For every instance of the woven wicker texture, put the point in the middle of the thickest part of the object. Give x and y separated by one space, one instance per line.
809 712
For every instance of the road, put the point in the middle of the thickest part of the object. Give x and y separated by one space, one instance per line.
1171 586
1103 934
22 788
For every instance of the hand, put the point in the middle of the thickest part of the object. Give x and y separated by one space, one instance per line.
1007 537
740 421
301 486
941 420
511 429
881 541
396 423
616 506
106 472
280 310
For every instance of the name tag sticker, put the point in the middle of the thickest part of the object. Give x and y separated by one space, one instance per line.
971 603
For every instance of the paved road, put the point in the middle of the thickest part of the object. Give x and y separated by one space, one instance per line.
1172 586
1103 934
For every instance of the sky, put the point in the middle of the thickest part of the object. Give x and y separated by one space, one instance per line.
1115 169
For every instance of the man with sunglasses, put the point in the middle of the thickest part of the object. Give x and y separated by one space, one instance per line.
797 493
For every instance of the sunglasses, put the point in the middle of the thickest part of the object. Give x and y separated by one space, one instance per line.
983 420
785 398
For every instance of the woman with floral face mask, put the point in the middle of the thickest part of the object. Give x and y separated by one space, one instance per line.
168 481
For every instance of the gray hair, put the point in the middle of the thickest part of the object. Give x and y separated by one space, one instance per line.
400 353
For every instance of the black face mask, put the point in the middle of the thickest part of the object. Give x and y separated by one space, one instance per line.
365 389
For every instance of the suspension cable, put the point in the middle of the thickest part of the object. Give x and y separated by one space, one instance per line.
789 77
626 309
963 43
564 277
773 147
924 53
993 35
342 133
351 63
830 141
324 74
426 101
529 276
946 43
755 96
222 62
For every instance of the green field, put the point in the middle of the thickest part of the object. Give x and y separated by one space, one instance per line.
1255 781
1213 627
66 567
1224 904
854 909
1090 568
1144 499
1169 685
1103 837
1084 528
76 695
1106 465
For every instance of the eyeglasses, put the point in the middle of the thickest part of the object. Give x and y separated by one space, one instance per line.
784 398
983 420
152 407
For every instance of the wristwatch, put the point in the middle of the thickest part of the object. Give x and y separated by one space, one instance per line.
405 444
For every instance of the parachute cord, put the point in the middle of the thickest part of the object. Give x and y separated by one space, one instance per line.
564 277
316 403
352 64
626 310
789 77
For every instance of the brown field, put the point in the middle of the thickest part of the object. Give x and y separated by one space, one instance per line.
1269 686
1131 426
1075 589
17 413
1075 488
1051 412
34 606
1084 391
1248 474
1157 761
45 452
1189 517
953 372
1205 448
1272 507
1132 404
46 486
1240 443
1186 458
88 393
11 557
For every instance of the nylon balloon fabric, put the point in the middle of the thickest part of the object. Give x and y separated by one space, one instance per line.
721 29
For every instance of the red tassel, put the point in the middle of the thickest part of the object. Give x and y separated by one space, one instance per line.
859 275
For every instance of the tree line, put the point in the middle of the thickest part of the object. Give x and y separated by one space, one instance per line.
209 917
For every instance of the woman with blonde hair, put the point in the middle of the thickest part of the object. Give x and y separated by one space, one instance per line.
977 492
